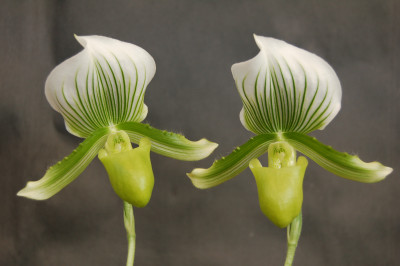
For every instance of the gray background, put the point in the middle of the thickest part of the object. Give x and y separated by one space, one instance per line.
194 44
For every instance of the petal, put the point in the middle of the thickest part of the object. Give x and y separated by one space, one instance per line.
286 89
167 143
339 163
228 167
101 86
64 172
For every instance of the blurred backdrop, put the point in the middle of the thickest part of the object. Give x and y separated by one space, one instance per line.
194 44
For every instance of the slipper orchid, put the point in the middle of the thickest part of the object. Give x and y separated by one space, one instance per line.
287 93
100 93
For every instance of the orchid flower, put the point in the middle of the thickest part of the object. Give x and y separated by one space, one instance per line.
100 92
287 93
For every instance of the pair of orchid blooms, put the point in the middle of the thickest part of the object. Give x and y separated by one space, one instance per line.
286 91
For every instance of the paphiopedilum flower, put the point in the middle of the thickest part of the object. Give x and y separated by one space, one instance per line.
100 92
287 93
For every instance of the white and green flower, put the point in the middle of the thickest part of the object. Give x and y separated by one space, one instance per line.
287 92
100 93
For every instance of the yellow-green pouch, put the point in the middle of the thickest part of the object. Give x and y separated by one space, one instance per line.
280 190
130 173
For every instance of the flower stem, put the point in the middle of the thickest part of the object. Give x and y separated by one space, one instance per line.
129 221
293 235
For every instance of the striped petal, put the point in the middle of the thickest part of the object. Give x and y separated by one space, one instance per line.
228 167
339 163
101 86
286 89
167 143
64 172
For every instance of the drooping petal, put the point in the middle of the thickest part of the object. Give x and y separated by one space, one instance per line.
167 143
339 163
101 86
286 89
64 172
228 167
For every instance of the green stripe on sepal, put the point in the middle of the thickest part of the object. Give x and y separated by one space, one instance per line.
64 172
286 89
228 167
167 143
101 86
339 163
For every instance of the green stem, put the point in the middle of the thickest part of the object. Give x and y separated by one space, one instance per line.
131 251
293 235
129 221
290 255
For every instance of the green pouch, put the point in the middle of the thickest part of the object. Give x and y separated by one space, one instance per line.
130 171
280 190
